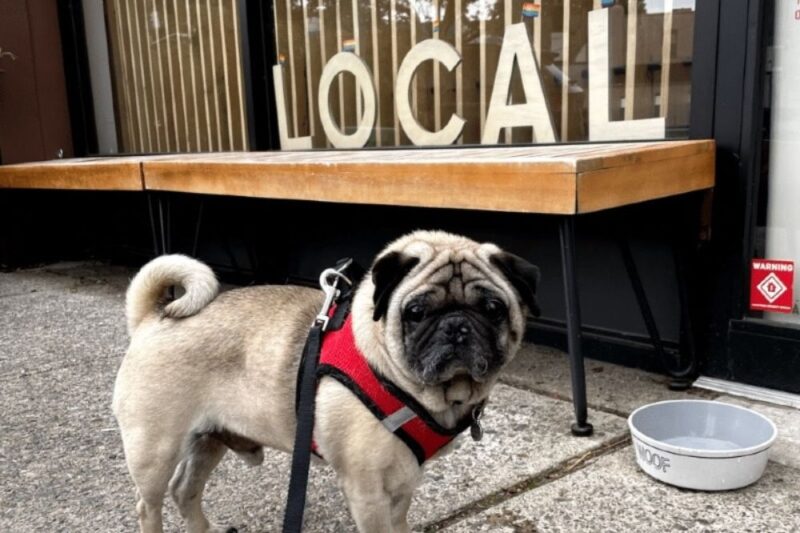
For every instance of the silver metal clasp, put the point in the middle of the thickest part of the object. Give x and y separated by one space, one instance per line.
329 283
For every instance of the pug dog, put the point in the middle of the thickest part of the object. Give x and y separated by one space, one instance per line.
438 315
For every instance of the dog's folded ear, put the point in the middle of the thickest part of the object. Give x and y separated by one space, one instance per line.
524 277
387 273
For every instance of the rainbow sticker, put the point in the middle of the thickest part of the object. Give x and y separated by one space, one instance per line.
531 9
435 25
607 3
281 59
349 45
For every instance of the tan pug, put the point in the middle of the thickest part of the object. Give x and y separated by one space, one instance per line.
438 315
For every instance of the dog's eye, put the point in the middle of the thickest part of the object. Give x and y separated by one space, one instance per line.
495 310
414 313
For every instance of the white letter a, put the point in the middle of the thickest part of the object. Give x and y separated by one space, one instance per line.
533 112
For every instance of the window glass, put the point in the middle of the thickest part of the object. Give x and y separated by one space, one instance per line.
481 71
783 178
177 75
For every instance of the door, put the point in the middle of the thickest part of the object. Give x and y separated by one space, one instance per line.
34 115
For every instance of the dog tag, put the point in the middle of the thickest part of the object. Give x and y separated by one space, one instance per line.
475 430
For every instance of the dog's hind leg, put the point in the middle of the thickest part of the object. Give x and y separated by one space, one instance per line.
151 462
187 485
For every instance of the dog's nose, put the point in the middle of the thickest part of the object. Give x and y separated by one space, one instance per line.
457 329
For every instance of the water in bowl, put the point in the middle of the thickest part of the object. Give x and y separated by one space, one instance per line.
702 443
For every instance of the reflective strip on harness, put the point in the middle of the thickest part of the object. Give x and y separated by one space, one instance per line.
396 420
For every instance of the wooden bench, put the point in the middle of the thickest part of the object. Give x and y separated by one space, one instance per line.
563 180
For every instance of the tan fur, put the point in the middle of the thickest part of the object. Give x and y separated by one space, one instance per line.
148 287
230 362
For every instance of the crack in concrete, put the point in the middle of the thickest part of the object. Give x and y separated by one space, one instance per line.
564 468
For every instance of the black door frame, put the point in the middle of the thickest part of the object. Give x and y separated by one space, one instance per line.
730 44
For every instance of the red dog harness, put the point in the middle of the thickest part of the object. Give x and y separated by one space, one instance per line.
399 413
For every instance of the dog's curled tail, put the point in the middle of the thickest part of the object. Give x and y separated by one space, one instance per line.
146 292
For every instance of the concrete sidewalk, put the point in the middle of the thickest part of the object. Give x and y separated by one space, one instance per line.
62 336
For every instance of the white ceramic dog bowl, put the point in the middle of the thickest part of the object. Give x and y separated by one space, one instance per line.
701 444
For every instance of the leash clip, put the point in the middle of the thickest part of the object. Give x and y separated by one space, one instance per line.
329 283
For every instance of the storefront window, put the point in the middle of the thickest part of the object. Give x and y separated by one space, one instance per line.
356 73
178 75
438 72
783 215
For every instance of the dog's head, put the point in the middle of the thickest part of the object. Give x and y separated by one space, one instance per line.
449 312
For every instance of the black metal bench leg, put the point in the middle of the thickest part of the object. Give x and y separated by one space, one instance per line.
681 378
641 298
155 226
581 427
159 223
164 223
196 241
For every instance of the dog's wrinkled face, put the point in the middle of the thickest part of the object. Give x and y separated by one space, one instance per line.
453 309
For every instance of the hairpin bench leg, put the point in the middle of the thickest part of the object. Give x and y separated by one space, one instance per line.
581 427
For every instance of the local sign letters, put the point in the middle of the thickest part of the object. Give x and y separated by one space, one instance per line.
532 113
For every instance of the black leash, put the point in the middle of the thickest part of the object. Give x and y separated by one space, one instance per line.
301 457
306 394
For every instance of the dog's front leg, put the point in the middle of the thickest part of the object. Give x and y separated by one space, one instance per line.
369 504
400 504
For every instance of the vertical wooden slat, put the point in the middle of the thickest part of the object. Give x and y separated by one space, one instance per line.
342 123
149 21
180 39
209 139
168 36
323 49
138 84
342 120
308 72
537 35
357 39
393 17
413 38
459 14
127 84
493 36
630 59
223 42
245 141
214 84
332 48
424 77
376 66
304 119
292 75
666 57
482 59
507 19
276 28
565 25
437 78
282 46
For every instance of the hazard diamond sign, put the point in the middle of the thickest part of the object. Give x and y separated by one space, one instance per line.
771 285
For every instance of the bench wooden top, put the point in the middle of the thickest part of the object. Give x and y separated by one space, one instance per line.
558 179
91 173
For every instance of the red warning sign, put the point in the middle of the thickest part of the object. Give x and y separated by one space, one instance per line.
771 285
